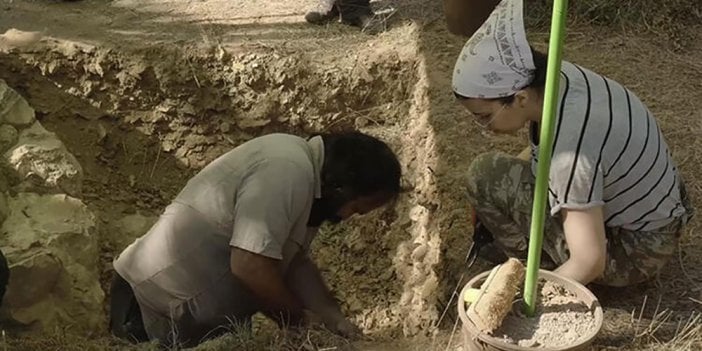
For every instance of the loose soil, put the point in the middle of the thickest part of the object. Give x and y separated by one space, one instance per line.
145 93
560 320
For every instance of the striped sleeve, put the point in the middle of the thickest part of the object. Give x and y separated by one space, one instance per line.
576 173
576 182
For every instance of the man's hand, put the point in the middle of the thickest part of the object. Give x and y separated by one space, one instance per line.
587 243
337 325
305 280
263 277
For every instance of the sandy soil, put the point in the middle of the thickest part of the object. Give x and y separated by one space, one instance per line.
560 320
145 93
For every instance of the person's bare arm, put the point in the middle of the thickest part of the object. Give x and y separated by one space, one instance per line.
587 243
263 277
464 17
305 280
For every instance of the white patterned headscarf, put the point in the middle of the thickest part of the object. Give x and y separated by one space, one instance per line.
496 61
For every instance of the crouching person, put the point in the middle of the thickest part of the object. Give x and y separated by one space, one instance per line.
617 203
235 241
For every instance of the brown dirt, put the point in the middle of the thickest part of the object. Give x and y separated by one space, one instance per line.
560 320
146 93
143 120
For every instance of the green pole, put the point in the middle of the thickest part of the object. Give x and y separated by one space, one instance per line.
545 145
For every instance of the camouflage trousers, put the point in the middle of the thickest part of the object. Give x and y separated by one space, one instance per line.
500 189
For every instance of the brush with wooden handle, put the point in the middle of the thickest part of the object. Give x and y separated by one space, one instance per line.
490 304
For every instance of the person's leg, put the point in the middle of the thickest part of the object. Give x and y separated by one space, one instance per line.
500 189
356 12
636 257
325 12
188 326
195 330
352 12
199 332
160 328
125 315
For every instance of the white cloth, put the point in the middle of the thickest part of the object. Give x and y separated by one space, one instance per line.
496 61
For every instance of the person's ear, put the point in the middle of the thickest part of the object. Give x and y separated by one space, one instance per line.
522 99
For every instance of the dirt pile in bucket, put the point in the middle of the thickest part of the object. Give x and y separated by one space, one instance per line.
561 319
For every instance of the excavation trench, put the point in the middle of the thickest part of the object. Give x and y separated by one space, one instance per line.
141 123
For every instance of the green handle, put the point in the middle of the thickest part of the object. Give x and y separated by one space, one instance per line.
545 145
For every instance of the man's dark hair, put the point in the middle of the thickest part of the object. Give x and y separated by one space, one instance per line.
355 165
359 165
538 82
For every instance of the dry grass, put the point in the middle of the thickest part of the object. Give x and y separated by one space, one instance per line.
670 18
661 333
665 332
269 338
62 341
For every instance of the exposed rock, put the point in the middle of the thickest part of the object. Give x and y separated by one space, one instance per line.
40 273
4 209
51 244
42 161
8 137
13 39
14 109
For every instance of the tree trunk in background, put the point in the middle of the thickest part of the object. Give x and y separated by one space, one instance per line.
464 17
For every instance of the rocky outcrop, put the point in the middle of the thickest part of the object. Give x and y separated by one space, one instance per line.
14 109
48 235
51 244
43 163
13 39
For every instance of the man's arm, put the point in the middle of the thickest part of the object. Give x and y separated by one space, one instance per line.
263 277
587 243
305 280
464 17
267 207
